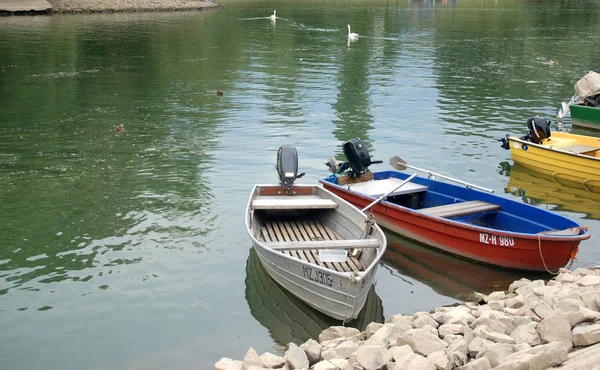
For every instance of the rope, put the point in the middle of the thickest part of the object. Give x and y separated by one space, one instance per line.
544 262
352 281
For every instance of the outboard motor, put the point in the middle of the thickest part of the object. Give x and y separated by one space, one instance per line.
287 167
358 158
539 129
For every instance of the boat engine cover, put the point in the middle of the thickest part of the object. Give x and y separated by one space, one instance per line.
358 156
539 129
287 166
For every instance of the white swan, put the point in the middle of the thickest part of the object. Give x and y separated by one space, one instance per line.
273 16
351 35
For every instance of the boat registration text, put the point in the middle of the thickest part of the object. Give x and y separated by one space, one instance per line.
321 277
503 241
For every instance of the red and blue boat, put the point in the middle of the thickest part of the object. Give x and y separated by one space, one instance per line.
462 220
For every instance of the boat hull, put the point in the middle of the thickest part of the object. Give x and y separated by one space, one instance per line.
559 164
515 250
334 291
584 116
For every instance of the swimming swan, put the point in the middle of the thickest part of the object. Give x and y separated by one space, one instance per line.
352 36
273 16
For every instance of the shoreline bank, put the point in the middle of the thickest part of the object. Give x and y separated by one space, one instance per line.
16 7
533 325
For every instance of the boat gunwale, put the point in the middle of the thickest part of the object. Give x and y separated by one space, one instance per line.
553 150
422 215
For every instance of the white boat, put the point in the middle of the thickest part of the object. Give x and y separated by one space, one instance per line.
313 243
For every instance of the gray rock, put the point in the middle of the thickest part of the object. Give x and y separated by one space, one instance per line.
312 348
272 361
535 358
296 357
440 360
335 332
228 364
480 364
372 357
585 335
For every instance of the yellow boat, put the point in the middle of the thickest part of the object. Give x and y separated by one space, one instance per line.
536 188
563 156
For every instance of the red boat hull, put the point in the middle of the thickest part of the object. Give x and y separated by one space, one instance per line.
505 249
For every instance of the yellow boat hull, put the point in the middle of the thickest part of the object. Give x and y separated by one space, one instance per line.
567 157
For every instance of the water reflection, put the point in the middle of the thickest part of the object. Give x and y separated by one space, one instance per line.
448 275
536 188
287 318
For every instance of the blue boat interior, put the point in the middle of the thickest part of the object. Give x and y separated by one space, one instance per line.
510 216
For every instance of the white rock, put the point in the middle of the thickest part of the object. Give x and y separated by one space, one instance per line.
342 364
458 359
399 352
372 329
400 319
496 352
485 333
422 341
344 350
535 358
458 346
251 358
517 284
569 305
458 315
493 325
527 334
589 280
497 305
451 338
582 359
335 332
324 365
228 364
556 327
585 335
495 296
476 346
312 348
296 357
272 361
440 360
590 298
480 364
515 302
424 321
414 362
528 288
448 329
388 333
372 357
542 309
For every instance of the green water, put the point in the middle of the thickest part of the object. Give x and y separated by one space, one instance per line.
127 250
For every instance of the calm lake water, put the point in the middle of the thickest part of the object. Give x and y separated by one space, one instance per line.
127 250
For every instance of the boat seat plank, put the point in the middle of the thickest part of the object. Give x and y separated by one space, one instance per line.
324 244
461 209
377 188
286 202
578 148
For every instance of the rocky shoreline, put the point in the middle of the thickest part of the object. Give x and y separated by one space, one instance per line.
533 326
102 6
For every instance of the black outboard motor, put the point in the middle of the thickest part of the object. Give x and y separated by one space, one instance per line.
539 129
287 167
358 158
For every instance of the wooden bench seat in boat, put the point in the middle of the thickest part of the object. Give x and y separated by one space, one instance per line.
461 209
306 233
324 244
293 202
578 149
377 188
